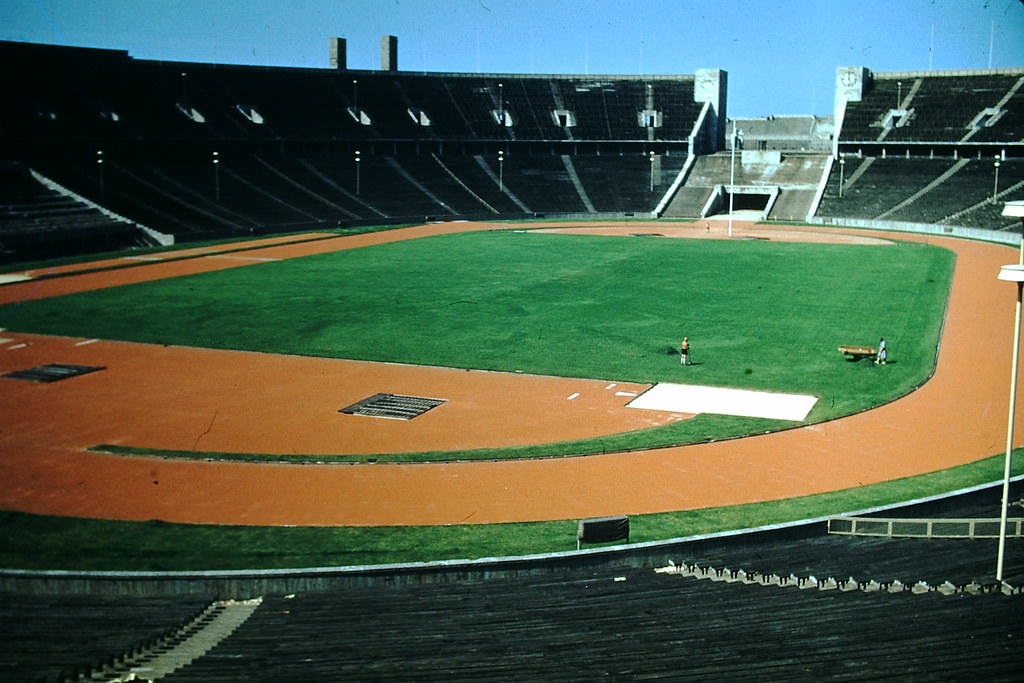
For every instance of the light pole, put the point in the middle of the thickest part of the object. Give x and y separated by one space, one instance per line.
1011 273
995 182
842 169
501 170
99 170
652 170
216 176
732 172
501 104
899 93
358 159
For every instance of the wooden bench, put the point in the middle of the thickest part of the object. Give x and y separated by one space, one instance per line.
602 530
858 352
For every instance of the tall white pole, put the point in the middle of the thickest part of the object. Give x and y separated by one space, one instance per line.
931 41
991 43
1009 427
732 174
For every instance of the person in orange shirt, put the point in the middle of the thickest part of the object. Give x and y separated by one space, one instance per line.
684 351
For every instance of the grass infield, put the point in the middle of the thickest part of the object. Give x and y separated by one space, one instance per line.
760 315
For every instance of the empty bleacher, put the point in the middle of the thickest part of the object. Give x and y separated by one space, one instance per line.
38 221
964 198
945 107
49 636
620 625
205 150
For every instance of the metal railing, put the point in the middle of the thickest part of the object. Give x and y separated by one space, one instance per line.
924 528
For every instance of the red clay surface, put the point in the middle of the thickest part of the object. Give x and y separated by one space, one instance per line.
178 398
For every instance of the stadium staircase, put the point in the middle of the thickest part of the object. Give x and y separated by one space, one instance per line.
163 655
794 178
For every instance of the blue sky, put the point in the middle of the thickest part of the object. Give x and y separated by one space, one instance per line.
781 55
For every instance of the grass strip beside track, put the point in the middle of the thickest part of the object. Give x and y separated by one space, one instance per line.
213 247
43 542
700 429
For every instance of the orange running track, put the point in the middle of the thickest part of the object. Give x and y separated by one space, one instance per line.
197 399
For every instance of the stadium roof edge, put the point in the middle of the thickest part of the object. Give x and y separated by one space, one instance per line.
106 51
13 44
997 71
446 74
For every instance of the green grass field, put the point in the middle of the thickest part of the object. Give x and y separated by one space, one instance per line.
759 314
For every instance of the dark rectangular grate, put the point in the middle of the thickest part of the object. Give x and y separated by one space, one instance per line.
53 372
393 406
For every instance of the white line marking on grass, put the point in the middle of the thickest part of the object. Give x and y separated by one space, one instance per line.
689 398
573 396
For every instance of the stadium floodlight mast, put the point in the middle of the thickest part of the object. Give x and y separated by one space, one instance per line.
1011 273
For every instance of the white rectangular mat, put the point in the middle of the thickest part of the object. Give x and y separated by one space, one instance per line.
690 398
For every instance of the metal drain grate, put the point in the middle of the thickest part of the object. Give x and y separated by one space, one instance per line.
53 372
393 406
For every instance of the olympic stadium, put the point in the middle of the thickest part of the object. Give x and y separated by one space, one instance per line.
331 374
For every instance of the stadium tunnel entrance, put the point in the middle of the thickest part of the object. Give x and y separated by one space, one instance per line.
743 198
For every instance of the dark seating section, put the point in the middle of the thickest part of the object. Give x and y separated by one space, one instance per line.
204 150
101 96
964 198
186 194
37 222
945 108
622 623
47 636
622 626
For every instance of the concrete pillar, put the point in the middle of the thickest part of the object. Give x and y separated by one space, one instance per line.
389 53
712 85
851 82
337 54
